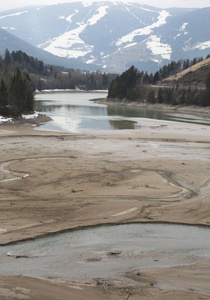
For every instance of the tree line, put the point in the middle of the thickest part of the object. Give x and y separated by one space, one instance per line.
17 86
133 85
16 97
44 76
180 96
21 75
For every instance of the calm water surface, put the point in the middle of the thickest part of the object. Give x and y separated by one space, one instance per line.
75 112
85 253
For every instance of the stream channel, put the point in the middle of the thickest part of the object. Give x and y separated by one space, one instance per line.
107 251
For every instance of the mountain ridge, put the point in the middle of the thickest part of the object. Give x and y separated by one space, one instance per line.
13 43
141 35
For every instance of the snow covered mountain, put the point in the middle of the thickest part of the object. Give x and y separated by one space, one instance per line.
113 35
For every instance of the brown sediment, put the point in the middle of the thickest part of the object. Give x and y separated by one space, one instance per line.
155 174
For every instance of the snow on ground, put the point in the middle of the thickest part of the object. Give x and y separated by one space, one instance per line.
145 30
69 18
30 116
6 28
101 12
3 119
203 46
87 3
130 45
13 15
182 28
154 44
91 61
200 46
70 44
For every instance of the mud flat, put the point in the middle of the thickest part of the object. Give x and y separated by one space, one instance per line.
53 182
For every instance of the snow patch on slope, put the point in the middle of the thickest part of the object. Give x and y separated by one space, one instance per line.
182 28
154 44
6 28
200 46
203 46
70 44
14 15
101 13
69 18
145 30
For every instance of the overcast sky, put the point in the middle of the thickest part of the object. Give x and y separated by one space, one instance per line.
10 4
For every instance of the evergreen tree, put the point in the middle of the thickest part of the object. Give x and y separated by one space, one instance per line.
17 94
7 57
189 97
160 95
151 97
113 89
169 95
29 95
156 77
206 100
182 99
3 98
123 85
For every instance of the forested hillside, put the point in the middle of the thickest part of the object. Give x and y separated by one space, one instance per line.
133 85
21 75
16 89
53 77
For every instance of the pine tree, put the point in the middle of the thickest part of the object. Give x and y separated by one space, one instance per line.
206 100
17 94
151 97
160 95
3 98
7 57
156 77
29 95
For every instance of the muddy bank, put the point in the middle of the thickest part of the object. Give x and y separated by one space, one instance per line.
27 121
159 173
195 110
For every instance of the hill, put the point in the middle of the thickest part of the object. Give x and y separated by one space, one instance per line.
13 43
194 75
189 87
144 36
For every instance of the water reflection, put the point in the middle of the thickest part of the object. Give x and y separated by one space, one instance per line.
125 124
133 112
147 113
74 112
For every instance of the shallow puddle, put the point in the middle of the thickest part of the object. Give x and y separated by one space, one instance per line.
107 251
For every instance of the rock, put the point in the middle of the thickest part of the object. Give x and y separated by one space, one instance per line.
114 252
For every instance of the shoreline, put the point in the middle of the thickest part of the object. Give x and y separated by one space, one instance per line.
85 227
27 121
171 108
155 174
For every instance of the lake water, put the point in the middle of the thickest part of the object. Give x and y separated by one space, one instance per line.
85 253
75 112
